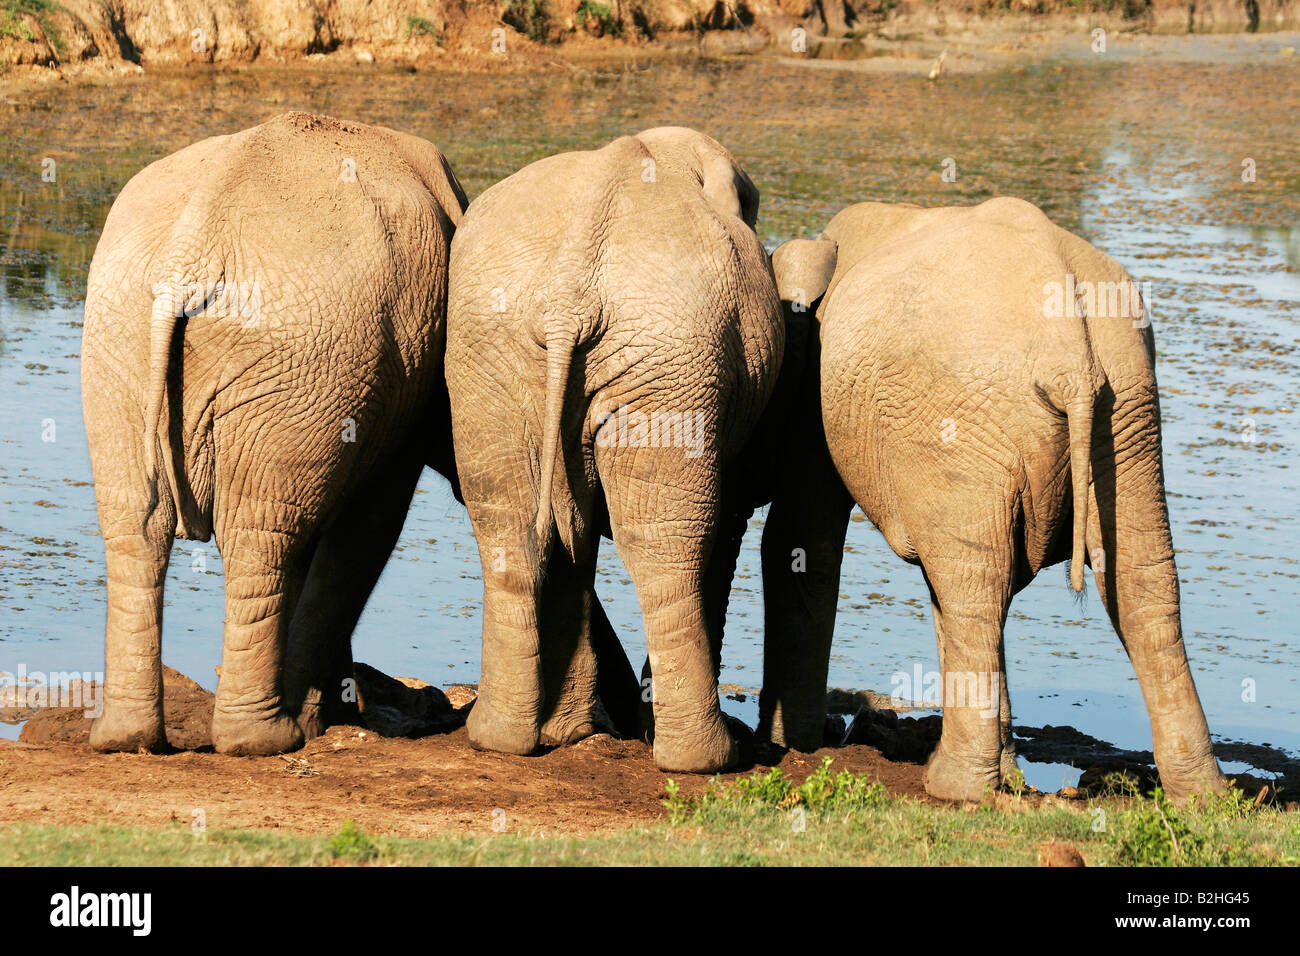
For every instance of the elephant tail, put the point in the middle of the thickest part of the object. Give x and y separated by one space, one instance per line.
175 299
554 480
162 330
1078 416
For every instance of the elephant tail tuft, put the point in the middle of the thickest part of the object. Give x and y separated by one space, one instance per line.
1078 414
554 487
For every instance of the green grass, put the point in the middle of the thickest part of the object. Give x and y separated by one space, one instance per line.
12 23
764 819
423 27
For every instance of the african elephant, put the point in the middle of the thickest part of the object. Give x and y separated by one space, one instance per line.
262 360
987 395
613 336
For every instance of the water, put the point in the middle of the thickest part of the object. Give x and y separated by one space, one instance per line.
1143 160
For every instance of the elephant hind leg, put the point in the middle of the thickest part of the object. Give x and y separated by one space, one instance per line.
665 534
136 559
803 547
1132 558
617 684
345 566
972 587
568 657
266 546
506 717
1007 759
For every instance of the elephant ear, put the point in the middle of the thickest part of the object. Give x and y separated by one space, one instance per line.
727 186
803 270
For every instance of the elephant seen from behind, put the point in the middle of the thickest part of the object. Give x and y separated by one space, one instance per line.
614 335
982 383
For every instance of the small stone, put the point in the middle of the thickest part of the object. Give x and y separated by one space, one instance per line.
1056 853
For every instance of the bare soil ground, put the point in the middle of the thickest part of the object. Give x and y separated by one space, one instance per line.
398 786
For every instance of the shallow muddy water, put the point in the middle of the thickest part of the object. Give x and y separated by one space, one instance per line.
1143 160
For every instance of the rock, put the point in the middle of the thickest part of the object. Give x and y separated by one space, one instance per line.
746 742
402 707
897 738
461 695
836 728
1103 777
391 722
840 701
1056 853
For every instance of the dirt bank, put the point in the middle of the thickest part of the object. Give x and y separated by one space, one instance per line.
403 787
410 771
124 36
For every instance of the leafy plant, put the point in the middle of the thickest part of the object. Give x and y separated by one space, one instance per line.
423 27
1153 834
606 23
1232 805
12 23
1015 781
823 791
351 842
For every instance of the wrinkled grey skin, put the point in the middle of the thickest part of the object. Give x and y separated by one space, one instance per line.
294 429
986 440
625 277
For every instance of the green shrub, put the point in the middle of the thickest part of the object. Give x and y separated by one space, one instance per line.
823 792
1153 834
12 23
599 13
423 27
351 843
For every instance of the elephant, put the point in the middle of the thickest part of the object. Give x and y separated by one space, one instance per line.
262 360
981 382
613 338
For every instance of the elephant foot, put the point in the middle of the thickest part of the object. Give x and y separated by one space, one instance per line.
948 778
576 716
562 733
804 734
708 750
1182 784
241 736
311 721
125 729
489 731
